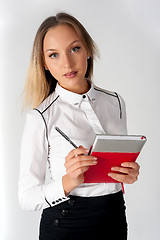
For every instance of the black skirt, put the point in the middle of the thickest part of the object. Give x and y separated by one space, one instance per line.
85 218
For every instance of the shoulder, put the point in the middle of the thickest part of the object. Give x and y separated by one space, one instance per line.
47 103
37 117
102 91
110 97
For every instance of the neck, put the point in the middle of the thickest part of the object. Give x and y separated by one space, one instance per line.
79 88
83 88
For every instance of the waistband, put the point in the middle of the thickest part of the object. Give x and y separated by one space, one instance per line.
97 200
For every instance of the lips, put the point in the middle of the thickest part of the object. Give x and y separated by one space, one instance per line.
70 74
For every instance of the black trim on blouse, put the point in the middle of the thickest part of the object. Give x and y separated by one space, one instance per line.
116 95
41 113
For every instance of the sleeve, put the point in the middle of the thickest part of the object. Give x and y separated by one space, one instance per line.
33 193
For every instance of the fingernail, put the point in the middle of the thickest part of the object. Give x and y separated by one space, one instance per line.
109 174
86 150
94 162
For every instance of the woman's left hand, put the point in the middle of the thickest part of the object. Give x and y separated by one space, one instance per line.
127 173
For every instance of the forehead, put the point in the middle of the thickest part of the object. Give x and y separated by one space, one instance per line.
60 36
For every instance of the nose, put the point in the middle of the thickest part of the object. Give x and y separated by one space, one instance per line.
66 61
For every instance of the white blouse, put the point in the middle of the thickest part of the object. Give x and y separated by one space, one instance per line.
80 117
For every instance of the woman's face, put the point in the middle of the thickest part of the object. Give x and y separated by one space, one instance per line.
66 58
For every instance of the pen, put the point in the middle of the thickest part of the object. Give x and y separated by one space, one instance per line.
66 137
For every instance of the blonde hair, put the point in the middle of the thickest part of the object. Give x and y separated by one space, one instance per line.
40 83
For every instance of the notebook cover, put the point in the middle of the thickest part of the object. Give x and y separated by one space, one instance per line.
99 172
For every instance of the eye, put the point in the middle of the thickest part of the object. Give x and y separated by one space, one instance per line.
53 55
75 49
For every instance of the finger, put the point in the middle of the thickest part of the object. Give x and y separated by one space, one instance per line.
117 177
124 170
80 162
76 152
80 166
80 146
134 165
79 158
123 178
78 172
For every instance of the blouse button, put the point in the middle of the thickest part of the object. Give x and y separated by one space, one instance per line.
84 96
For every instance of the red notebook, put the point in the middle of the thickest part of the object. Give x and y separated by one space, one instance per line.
111 151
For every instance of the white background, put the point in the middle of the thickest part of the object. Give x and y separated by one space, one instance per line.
127 33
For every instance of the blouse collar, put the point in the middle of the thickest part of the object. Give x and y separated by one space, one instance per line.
75 98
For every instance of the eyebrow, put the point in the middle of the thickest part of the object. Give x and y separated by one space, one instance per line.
51 50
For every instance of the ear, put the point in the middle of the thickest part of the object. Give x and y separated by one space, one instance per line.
45 66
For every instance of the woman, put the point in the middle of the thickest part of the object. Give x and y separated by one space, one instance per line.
60 90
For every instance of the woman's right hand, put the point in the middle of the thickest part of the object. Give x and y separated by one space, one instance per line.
77 162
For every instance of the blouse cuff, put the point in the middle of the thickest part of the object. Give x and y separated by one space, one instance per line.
54 193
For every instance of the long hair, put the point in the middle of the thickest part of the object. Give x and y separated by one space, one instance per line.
40 83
